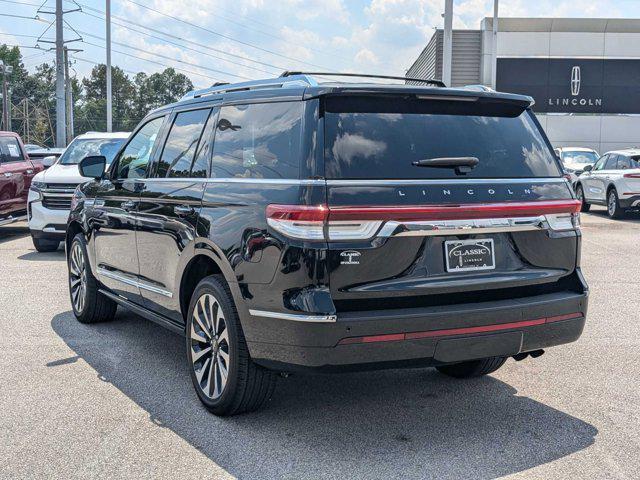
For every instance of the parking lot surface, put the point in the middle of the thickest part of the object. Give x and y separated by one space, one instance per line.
115 400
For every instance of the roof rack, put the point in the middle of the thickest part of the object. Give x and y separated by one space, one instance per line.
221 87
432 81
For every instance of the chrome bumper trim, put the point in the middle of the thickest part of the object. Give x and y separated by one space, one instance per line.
295 317
462 227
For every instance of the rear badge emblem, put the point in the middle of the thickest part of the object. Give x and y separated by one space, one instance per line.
350 257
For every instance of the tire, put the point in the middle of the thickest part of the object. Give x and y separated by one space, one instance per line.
614 210
89 305
248 386
43 245
474 368
585 207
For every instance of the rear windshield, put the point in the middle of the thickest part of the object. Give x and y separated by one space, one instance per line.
379 139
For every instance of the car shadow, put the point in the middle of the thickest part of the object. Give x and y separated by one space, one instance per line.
35 256
411 423
11 232
629 217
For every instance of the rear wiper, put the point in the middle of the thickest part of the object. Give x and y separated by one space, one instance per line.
463 165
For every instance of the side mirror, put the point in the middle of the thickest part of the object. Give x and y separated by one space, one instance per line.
587 168
48 161
93 167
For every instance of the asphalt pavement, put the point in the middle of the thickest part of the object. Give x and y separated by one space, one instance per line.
115 400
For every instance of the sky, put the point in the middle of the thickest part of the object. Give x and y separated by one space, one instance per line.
223 40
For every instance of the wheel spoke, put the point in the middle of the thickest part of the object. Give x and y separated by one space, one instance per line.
224 355
195 356
223 371
213 377
196 336
216 381
196 317
224 335
200 373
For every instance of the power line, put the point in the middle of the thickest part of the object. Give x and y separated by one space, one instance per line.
165 57
151 29
190 48
213 32
153 61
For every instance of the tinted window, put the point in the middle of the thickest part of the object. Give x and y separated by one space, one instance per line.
380 139
182 141
612 162
202 162
10 150
135 157
85 147
258 141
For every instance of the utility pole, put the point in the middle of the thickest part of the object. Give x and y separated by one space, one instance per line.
109 93
68 97
494 46
6 117
60 102
447 45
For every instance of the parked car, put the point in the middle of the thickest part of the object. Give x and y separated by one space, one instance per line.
29 147
575 159
51 191
614 181
16 173
290 226
47 156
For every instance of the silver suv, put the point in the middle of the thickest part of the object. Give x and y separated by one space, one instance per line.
614 181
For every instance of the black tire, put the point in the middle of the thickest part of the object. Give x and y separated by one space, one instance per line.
248 386
614 210
43 245
89 306
585 207
474 368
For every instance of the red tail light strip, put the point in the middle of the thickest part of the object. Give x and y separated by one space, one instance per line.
454 211
458 331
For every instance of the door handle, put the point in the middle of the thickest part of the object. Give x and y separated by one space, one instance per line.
128 205
183 210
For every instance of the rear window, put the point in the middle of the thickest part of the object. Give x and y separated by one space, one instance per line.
379 139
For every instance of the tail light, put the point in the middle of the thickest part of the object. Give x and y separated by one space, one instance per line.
631 175
322 222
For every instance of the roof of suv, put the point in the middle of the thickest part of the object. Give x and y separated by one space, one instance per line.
306 86
627 151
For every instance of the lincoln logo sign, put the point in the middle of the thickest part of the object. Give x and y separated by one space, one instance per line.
573 85
575 81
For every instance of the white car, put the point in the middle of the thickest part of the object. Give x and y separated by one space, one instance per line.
614 181
575 159
51 190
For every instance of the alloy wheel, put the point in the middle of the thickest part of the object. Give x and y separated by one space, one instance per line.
611 204
77 277
210 346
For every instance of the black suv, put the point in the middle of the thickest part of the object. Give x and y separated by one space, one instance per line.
288 225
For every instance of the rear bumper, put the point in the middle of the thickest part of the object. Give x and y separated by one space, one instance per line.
429 336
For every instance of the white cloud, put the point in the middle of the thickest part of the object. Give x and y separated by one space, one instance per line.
366 57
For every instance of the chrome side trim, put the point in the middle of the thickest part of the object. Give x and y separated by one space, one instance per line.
295 317
462 227
269 181
8 220
103 272
446 181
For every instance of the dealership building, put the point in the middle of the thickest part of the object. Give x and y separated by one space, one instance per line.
584 74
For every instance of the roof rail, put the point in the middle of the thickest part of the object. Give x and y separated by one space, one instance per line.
431 81
221 87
